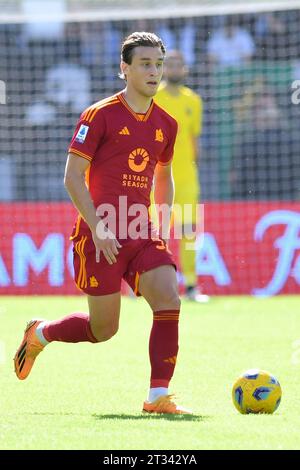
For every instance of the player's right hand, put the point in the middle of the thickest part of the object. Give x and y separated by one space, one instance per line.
105 241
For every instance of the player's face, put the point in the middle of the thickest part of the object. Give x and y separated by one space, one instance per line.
145 71
175 71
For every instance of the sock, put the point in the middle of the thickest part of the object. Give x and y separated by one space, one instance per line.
156 392
74 328
39 333
163 347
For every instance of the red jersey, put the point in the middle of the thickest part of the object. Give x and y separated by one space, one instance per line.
123 148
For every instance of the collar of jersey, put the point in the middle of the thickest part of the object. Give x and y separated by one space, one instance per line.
138 116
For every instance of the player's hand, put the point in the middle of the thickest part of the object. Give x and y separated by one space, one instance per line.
105 241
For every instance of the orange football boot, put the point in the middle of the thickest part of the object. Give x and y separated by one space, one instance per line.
28 350
165 405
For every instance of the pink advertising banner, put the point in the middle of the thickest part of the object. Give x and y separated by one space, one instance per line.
248 248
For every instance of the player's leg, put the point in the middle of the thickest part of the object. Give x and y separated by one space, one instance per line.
100 324
187 255
104 315
101 282
159 287
188 222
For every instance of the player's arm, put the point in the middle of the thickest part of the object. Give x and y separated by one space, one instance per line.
164 197
76 186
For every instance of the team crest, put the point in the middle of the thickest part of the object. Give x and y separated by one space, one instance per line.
93 282
159 136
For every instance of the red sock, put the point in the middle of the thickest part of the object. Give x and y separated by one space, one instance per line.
163 347
71 329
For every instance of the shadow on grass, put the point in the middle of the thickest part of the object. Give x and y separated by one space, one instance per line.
164 417
100 417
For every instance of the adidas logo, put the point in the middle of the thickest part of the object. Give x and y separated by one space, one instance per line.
124 131
171 360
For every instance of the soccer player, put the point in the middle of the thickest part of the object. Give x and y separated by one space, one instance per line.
119 146
186 107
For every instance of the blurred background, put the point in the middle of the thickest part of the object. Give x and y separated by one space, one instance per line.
59 56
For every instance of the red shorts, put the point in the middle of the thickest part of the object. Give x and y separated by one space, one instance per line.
134 258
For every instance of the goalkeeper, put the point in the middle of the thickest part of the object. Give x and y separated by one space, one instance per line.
186 107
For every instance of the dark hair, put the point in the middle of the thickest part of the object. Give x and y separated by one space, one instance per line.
139 39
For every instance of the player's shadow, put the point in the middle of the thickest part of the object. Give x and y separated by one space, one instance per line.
132 417
148 417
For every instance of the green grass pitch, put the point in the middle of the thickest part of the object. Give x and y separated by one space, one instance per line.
84 396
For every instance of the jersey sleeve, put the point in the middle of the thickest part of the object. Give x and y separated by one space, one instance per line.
197 116
87 136
166 156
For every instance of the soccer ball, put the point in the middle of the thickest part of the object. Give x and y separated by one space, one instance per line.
256 391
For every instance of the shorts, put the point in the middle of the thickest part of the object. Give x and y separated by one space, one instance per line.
134 258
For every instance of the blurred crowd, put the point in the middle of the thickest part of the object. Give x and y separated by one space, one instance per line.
242 66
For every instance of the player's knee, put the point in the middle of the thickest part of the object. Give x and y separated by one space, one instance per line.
175 301
168 299
105 333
